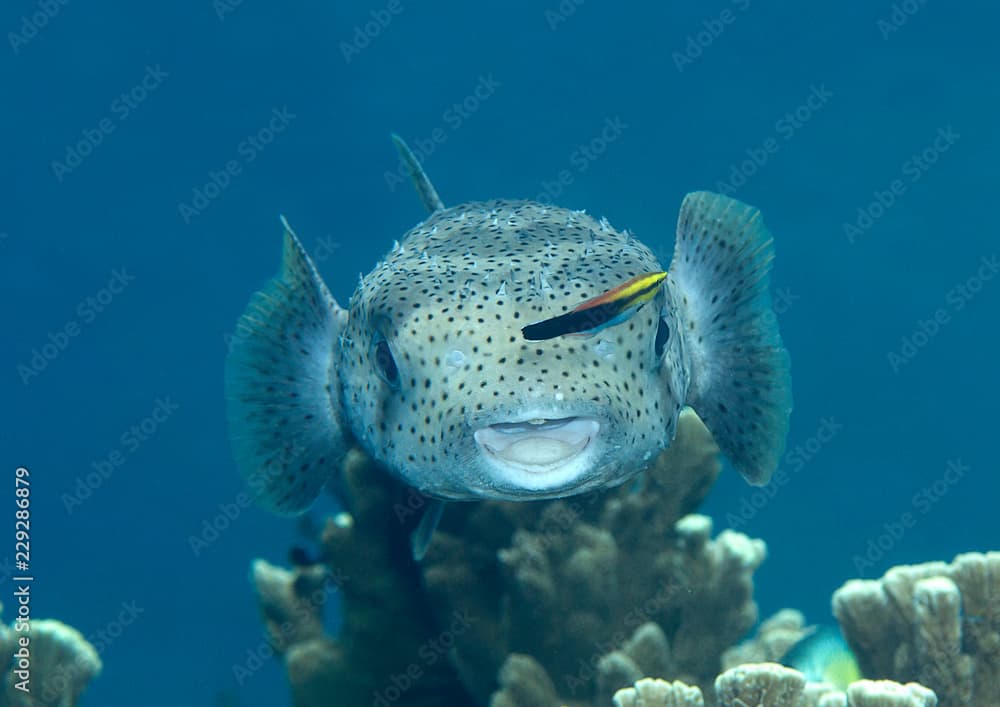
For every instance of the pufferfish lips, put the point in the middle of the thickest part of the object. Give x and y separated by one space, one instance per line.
537 446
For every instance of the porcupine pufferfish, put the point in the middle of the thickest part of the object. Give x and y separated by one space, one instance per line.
511 350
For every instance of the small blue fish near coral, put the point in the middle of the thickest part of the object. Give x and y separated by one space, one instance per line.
512 350
824 656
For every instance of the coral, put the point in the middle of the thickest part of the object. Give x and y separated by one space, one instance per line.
650 692
820 694
771 685
62 663
574 598
647 652
584 602
883 693
774 638
290 602
568 582
524 683
936 624
760 685
388 650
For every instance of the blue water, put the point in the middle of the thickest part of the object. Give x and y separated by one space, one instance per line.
128 294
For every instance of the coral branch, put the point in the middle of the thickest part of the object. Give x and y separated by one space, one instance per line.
934 623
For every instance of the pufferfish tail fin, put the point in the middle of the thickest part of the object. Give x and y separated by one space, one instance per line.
282 389
425 190
740 380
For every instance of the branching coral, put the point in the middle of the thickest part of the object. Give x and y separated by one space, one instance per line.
573 598
935 623
524 683
51 670
569 582
651 692
884 693
772 685
774 638
760 685
595 600
388 650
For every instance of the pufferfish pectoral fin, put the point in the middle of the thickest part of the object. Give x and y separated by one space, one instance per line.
740 382
422 535
282 390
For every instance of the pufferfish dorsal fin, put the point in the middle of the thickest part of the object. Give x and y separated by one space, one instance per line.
425 190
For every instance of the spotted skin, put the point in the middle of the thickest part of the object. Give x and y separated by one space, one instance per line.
451 300
429 371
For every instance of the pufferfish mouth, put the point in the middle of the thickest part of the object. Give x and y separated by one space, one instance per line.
540 445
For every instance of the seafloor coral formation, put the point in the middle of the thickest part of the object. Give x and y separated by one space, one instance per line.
935 623
653 692
763 684
579 602
52 670
384 653
565 582
597 591
568 581
772 685
772 641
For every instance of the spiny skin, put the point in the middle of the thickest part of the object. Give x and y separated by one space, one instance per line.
451 300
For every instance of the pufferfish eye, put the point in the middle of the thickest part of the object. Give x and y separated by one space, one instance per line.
385 364
662 337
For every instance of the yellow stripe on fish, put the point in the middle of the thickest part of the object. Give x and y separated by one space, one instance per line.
608 309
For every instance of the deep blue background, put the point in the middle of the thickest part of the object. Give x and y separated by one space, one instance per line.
163 336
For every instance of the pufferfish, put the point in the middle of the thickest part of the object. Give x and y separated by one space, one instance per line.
511 350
